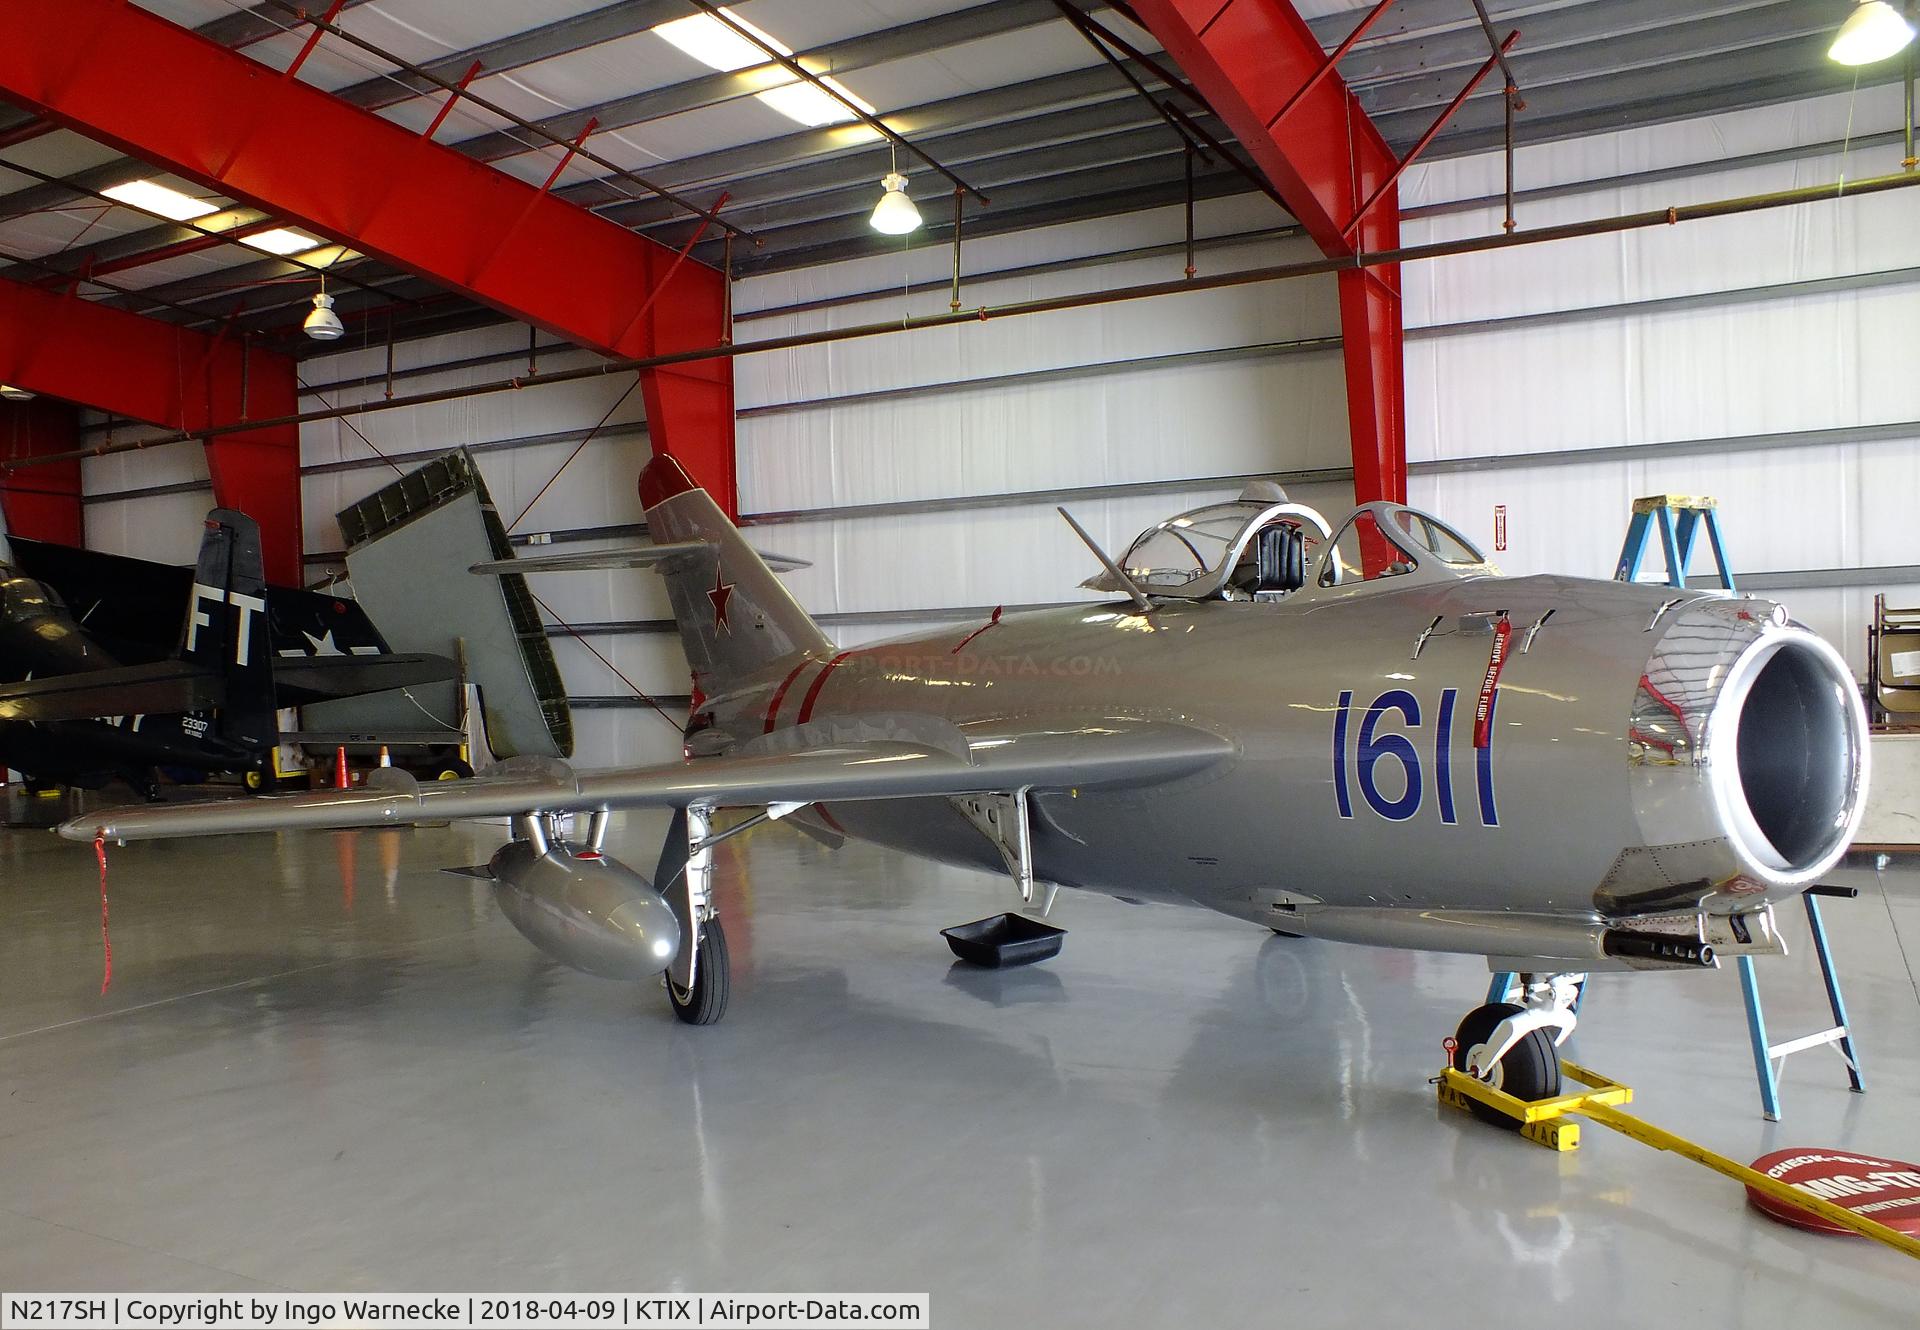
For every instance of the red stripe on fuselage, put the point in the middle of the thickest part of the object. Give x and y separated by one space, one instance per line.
813 693
965 641
780 694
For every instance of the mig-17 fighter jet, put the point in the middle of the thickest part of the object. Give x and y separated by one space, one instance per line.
1366 735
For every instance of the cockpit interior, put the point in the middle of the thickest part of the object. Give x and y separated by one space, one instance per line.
1264 547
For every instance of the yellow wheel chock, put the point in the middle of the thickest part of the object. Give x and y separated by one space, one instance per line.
1545 1122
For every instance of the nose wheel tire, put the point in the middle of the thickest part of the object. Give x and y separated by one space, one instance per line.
706 1002
1530 1070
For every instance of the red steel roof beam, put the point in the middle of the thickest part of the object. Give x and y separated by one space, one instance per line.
1261 68
157 91
128 365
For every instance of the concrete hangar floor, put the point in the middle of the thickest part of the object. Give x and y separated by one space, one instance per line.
325 1064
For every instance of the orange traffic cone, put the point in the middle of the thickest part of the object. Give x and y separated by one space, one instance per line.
340 767
385 760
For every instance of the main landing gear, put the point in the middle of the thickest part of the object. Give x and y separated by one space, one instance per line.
1515 1047
700 979
706 1001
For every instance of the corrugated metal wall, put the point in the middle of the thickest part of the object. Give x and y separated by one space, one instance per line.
1766 360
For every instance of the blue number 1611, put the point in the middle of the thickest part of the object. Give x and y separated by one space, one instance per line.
1372 749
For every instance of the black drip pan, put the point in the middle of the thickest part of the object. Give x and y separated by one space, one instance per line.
1004 939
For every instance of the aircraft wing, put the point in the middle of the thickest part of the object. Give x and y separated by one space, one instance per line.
303 679
1081 755
160 688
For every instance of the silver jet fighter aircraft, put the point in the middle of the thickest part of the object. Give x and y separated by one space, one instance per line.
1366 735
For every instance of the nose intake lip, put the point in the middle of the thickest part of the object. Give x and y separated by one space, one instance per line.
1791 720
1747 762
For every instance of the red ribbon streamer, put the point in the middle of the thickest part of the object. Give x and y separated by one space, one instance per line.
106 942
1496 661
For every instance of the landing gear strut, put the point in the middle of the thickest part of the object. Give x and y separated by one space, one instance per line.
1515 1047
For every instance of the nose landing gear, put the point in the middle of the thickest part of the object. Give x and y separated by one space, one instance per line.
1515 1047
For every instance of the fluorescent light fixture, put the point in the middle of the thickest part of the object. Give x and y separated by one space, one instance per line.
1872 32
716 45
895 214
811 105
281 241
13 394
160 200
323 325
325 256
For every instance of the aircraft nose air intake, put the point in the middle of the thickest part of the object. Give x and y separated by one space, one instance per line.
1799 752
1747 750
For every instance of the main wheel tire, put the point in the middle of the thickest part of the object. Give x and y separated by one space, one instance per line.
1530 1070
706 1002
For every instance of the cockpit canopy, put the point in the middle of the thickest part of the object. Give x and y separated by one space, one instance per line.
1263 547
22 599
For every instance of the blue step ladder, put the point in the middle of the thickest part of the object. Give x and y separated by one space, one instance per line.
1680 519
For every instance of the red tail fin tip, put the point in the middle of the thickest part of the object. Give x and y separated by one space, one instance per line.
662 479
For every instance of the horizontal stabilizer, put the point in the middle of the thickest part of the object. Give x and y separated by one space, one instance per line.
304 679
1043 758
629 556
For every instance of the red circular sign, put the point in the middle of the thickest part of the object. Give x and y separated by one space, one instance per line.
1884 1190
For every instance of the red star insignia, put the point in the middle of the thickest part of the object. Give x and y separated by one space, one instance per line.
722 593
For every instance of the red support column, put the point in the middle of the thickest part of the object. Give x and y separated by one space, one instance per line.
157 91
60 346
258 471
1260 66
1371 342
42 503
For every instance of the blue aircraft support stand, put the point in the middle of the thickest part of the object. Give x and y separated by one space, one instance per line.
1766 1057
1679 519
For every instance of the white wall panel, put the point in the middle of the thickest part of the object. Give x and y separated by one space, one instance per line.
918 262
1712 370
1229 418
166 527
1614 377
1752 249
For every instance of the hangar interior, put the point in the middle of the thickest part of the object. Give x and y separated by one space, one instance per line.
323 1063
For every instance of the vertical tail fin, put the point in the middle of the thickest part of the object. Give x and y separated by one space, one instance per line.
735 616
226 629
